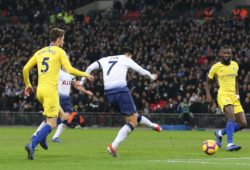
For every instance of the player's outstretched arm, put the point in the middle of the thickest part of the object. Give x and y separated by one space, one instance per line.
77 85
94 66
68 68
133 65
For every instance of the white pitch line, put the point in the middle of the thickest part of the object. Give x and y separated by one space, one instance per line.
216 159
206 161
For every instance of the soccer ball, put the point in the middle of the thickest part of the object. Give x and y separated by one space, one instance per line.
210 147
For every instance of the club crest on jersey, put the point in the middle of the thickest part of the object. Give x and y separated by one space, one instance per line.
234 68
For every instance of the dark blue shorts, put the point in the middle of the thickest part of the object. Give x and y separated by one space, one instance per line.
65 103
123 101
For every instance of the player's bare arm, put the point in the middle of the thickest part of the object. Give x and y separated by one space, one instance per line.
90 78
77 86
208 84
237 88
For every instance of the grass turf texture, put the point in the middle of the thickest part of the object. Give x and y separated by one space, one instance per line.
143 150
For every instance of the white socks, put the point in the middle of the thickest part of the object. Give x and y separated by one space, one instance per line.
121 136
59 130
147 122
39 128
219 133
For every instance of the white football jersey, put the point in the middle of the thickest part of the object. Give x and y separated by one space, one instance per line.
64 83
115 70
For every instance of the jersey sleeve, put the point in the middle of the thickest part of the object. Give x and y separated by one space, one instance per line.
68 67
94 66
136 67
28 66
212 72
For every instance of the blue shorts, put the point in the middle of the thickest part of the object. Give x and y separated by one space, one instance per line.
65 103
123 101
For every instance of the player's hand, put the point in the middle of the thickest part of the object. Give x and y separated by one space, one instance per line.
89 93
28 91
154 76
90 78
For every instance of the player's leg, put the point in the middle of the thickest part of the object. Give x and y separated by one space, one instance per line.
64 115
240 124
51 122
240 116
123 133
40 138
125 104
59 130
39 128
231 123
125 130
222 102
50 101
241 121
142 120
44 143
59 121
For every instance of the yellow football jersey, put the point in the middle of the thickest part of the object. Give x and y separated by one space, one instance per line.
226 76
49 61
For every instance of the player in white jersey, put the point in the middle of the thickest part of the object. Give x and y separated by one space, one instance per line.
64 87
114 70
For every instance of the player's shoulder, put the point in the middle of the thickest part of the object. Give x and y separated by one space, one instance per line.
51 49
234 62
216 65
41 50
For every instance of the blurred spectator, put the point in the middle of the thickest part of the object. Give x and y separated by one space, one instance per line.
184 111
180 51
76 120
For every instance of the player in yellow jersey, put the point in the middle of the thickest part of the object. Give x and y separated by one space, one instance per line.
226 72
49 61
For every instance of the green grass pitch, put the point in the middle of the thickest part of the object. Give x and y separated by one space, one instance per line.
143 150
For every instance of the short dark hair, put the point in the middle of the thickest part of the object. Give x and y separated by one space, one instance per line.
56 33
127 50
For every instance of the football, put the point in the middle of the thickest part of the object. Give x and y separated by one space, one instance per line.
210 147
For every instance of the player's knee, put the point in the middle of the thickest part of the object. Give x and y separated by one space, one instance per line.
231 119
65 116
243 125
132 120
133 123
53 125
52 122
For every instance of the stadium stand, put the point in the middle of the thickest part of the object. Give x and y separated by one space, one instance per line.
166 36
